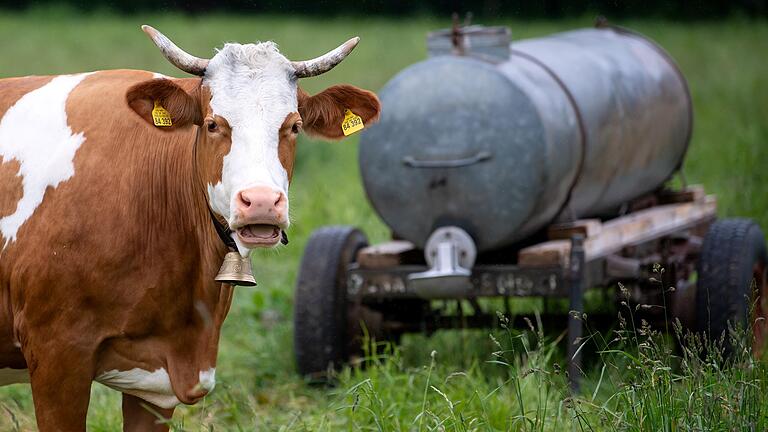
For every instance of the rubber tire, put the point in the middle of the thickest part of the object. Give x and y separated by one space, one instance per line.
320 303
724 294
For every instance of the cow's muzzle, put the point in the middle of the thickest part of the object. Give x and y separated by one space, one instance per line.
261 216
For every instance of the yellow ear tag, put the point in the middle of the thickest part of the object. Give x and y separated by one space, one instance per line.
160 116
351 123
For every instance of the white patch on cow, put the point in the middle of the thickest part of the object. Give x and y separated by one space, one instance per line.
208 379
157 75
34 131
254 88
153 387
13 376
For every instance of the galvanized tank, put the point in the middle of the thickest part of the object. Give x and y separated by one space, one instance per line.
503 139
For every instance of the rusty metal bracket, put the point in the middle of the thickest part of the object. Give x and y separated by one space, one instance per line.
485 280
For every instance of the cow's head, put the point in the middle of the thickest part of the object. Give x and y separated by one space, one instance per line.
249 110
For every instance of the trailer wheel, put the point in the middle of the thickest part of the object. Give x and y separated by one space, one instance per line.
731 286
320 306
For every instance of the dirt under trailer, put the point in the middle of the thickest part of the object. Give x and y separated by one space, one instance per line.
538 168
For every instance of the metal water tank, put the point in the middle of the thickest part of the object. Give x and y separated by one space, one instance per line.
502 139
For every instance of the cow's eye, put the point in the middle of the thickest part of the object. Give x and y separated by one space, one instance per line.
296 127
212 126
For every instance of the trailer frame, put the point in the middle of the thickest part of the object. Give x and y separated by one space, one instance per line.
666 229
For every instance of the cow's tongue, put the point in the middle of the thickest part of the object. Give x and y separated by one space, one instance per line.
259 231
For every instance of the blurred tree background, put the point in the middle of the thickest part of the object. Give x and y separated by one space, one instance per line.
674 9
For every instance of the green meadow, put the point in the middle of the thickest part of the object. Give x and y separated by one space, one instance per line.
483 380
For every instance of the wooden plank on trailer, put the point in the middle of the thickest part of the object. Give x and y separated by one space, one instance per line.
616 234
585 227
384 255
553 253
692 193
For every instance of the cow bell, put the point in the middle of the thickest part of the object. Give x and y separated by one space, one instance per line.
236 270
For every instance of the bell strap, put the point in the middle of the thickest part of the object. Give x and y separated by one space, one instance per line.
225 234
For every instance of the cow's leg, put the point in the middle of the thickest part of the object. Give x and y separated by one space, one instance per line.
61 390
136 416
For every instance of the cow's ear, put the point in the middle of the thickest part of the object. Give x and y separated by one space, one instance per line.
323 113
179 97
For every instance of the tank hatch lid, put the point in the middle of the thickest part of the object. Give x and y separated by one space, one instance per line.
490 43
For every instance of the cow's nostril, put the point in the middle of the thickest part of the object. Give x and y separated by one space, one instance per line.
243 199
281 203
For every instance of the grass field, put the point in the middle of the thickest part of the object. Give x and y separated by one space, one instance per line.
457 381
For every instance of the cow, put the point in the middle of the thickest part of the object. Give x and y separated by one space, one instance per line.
114 190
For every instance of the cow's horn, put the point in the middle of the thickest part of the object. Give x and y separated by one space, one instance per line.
178 57
326 62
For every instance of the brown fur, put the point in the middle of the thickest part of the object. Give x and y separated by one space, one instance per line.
286 149
115 269
12 89
179 97
11 189
323 113
129 247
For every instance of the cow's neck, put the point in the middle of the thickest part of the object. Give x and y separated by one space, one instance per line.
175 211
177 245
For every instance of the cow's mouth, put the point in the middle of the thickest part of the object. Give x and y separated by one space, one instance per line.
259 235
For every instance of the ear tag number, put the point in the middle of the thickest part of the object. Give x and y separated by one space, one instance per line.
351 123
160 116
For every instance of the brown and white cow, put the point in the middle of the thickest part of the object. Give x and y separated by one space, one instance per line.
108 251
